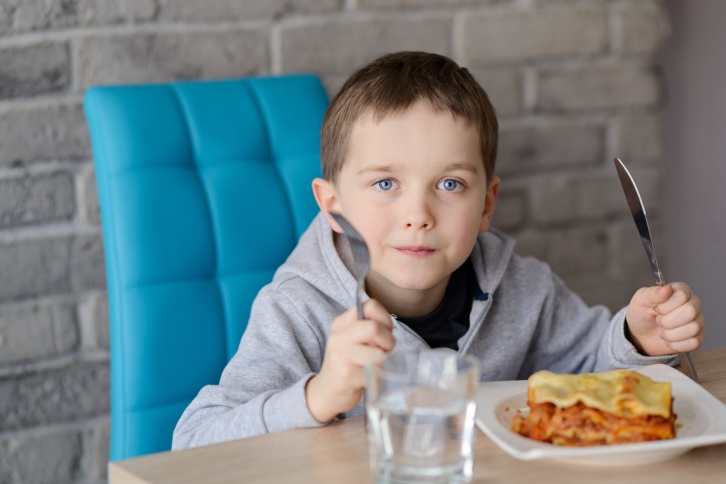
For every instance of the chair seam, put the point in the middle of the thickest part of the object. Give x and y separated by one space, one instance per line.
213 223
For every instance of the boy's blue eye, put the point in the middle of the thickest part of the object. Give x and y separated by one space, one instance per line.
450 185
385 184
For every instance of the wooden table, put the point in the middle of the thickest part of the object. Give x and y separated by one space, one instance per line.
338 453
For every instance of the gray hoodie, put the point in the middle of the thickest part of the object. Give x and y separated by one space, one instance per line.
523 319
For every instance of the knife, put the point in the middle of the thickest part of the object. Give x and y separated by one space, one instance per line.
637 210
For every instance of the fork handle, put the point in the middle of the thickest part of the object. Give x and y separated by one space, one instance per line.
358 303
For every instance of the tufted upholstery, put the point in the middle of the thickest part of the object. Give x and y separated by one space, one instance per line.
204 189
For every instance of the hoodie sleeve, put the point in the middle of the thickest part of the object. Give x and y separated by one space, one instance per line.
262 389
575 338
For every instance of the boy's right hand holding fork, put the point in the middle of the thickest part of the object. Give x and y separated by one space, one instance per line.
352 344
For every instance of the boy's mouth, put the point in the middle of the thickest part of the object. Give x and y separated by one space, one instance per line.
418 251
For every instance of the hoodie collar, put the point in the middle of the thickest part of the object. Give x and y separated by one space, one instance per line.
490 257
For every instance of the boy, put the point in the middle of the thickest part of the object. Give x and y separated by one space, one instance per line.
408 149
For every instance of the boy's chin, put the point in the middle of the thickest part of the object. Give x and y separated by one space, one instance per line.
416 283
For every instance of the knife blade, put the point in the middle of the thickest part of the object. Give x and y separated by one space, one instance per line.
637 210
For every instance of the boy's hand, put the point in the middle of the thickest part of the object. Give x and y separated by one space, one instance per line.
665 319
352 343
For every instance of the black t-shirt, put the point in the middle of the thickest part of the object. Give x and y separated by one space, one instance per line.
443 327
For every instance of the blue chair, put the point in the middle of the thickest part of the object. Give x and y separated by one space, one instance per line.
204 189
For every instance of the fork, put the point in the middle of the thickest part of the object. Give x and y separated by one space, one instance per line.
361 257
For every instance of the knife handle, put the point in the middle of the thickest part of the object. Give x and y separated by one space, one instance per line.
687 366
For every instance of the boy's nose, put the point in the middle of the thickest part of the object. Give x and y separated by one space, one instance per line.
418 215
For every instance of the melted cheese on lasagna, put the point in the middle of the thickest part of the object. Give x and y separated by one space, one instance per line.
623 393
596 408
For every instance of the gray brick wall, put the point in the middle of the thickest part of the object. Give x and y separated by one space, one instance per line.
575 82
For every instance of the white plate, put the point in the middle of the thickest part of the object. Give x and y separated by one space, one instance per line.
701 421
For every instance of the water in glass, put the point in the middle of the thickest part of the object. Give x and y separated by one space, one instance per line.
421 433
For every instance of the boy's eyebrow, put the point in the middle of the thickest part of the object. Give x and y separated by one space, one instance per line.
377 168
462 166
450 167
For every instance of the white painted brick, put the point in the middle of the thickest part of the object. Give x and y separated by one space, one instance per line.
341 45
52 456
44 132
137 9
621 85
510 211
91 208
333 83
101 319
561 198
35 268
87 262
41 330
639 138
36 199
54 265
640 27
34 69
169 56
554 199
577 251
568 252
512 35
93 319
362 4
557 144
44 14
531 244
629 256
97 451
64 395
609 291
649 180
504 88
231 10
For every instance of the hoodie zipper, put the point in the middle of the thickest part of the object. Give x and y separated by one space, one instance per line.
474 330
412 332
478 323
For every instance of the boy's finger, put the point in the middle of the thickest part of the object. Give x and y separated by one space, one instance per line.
652 296
681 315
681 333
691 344
345 320
372 309
680 296
370 332
362 354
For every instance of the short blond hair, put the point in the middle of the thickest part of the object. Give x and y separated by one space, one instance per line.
394 82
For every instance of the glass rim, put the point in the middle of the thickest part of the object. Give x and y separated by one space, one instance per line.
374 366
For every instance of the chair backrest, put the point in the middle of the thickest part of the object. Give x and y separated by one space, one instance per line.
204 189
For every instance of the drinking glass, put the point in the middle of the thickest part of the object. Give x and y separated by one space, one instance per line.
421 409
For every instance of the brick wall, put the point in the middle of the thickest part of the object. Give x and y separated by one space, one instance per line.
575 83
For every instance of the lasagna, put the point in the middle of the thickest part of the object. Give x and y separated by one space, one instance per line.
613 407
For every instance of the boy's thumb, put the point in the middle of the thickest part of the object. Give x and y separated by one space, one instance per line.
654 295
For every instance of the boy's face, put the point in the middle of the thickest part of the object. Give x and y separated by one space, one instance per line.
414 186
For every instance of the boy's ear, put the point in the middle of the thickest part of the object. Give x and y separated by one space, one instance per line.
489 204
327 199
